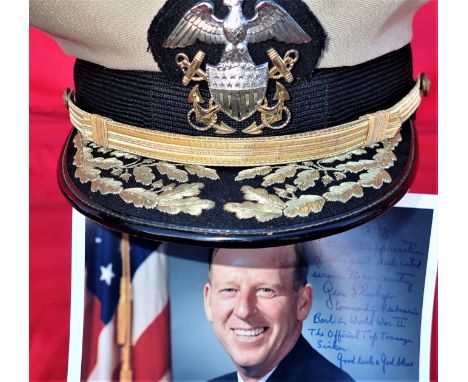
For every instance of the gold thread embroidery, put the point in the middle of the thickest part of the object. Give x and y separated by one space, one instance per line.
111 175
282 184
280 194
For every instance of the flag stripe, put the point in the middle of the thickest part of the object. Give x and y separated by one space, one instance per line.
92 326
151 358
149 286
108 356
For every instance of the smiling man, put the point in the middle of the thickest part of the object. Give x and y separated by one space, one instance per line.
256 300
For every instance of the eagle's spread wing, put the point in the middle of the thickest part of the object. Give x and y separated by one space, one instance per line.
272 21
198 23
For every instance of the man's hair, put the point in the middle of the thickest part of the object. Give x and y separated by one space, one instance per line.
301 267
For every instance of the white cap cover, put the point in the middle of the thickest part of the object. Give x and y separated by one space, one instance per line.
113 33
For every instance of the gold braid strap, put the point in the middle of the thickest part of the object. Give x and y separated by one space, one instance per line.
251 151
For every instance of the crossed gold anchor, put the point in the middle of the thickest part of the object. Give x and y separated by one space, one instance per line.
207 117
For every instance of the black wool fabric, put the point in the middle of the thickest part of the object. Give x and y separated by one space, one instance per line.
330 97
173 11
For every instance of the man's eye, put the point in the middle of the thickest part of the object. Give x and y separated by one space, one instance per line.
228 291
266 292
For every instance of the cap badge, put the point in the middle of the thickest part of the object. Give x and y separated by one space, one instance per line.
237 85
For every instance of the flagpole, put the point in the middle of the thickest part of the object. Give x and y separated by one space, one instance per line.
124 312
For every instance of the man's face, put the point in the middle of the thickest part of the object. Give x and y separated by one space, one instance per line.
255 310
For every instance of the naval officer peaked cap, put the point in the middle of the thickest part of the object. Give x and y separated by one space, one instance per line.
236 122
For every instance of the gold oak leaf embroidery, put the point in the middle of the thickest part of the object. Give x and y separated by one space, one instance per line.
144 175
292 186
280 175
374 178
202 172
253 172
107 175
106 186
306 179
172 172
343 192
304 205
260 204
140 197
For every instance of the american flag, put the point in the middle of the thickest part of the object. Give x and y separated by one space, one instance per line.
148 356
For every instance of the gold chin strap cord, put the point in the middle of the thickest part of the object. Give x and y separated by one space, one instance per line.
124 312
249 151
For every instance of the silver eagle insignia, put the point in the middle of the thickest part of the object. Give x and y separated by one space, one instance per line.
237 86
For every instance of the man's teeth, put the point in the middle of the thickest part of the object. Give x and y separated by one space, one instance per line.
249 333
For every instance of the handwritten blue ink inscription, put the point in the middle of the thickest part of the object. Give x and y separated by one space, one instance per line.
368 290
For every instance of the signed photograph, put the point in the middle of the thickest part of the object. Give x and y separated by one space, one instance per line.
371 295
356 306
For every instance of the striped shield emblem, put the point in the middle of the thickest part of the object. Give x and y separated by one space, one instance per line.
238 88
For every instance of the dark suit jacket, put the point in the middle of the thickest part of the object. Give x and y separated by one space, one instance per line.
302 364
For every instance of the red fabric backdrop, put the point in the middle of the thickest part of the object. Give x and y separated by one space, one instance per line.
50 215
